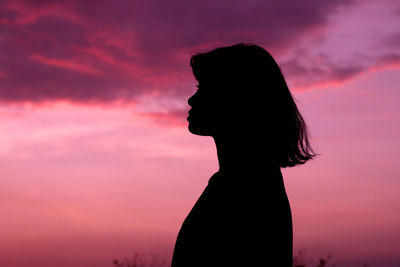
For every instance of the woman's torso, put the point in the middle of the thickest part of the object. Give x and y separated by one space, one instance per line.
241 219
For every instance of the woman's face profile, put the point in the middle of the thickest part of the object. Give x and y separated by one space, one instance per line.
205 113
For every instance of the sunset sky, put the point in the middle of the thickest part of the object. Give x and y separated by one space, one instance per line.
96 161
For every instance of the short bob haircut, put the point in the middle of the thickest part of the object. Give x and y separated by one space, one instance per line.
251 75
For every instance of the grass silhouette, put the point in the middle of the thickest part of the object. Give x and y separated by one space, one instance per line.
300 259
141 260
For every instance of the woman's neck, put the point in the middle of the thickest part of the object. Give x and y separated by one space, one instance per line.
243 156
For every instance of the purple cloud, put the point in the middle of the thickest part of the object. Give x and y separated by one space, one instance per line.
103 51
393 40
302 75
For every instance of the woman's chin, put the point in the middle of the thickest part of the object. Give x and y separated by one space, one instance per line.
198 130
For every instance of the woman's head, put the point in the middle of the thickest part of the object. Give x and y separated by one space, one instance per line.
243 94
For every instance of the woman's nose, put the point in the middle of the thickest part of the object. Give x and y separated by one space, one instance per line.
191 100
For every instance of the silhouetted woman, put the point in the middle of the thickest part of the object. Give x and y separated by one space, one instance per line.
243 217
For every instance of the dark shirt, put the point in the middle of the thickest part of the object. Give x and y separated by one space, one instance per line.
241 219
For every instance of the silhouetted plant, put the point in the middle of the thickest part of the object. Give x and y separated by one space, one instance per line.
151 260
140 260
299 260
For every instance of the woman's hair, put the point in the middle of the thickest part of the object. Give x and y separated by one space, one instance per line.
249 75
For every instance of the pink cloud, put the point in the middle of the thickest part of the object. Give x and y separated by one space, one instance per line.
133 49
388 61
27 12
393 40
170 118
106 53
66 64
324 72
303 76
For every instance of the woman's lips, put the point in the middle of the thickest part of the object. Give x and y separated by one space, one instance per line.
190 115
